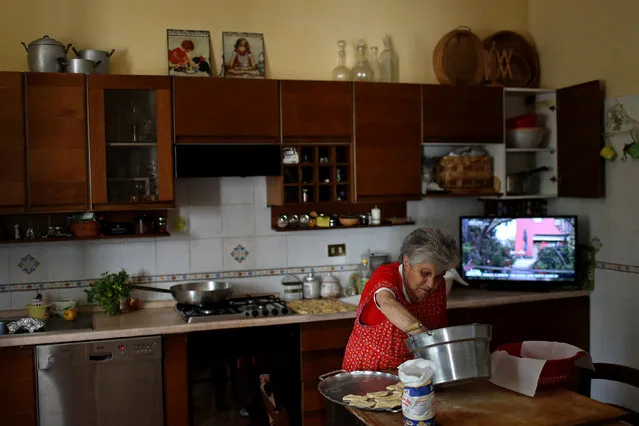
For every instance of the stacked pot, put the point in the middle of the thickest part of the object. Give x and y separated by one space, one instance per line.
49 55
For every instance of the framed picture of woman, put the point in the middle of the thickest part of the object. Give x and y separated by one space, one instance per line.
243 55
189 53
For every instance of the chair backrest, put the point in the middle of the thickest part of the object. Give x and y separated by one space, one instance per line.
277 417
615 373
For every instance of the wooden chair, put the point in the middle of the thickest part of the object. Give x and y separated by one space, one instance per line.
614 373
276 416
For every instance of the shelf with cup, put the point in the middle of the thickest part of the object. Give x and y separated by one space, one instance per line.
312 173
44 227
393 214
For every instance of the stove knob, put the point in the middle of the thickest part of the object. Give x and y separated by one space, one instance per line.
255 312
274 311
247 314
265 312
284 310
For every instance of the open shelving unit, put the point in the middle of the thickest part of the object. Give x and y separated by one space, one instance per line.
323 174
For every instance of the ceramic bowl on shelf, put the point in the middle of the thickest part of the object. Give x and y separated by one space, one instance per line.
349 220
526 137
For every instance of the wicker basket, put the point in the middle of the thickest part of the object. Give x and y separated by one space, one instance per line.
460 172
84 229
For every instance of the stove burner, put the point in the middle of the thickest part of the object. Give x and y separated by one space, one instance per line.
238 307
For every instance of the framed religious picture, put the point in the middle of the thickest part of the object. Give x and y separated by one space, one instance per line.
243 55
189 53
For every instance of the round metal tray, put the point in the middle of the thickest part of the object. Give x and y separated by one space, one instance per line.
337 384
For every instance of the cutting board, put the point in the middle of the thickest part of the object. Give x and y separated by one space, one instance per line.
484 404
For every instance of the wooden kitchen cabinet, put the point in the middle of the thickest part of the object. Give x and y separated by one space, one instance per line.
57 142
579 140
13 175
322 350
462 113
388 154
17 387
317 111
131 143
176 380
216 110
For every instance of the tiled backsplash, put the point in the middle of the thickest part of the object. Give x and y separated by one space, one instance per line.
228 229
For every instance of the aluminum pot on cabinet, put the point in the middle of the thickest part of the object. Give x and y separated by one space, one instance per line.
81 66
100 57
46 55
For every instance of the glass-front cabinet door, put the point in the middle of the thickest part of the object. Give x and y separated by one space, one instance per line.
131 147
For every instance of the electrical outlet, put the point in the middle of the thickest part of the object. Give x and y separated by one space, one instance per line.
335 250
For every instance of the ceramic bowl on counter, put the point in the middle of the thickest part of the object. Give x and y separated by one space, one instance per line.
349 220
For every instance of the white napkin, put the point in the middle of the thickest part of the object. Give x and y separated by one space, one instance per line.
522 374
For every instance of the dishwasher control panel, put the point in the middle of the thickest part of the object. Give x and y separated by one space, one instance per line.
99 351
139 348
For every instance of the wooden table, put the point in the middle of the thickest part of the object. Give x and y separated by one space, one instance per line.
485 404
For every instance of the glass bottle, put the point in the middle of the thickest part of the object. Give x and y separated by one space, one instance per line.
389 63
374 61
362 70
341 71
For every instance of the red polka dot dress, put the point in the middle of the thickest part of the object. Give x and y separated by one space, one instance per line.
381 346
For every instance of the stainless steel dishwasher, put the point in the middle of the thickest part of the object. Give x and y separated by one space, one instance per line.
101 383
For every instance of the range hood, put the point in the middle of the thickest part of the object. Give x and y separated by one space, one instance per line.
215 160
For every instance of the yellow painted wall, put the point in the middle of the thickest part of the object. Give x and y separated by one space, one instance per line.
300 35
580 40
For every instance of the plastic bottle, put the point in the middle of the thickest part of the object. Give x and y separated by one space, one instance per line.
364 274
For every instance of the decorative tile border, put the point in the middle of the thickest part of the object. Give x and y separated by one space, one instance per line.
254 273
632 269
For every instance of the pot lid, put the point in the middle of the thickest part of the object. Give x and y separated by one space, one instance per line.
46 40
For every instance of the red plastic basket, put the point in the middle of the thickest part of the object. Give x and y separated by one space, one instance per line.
526 120
555 371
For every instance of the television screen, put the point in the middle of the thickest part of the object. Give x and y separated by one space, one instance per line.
518 249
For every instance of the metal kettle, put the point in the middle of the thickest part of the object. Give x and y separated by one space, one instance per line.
46 55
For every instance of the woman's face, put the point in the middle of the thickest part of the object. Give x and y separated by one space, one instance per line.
421 279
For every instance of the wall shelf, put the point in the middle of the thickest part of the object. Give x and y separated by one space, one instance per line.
519 197
449 194
317 228
98 237
524 150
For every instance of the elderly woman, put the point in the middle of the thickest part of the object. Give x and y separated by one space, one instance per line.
405 297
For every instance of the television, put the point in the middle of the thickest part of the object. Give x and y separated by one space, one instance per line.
522 253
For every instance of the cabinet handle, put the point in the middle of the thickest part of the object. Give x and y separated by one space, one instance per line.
101 357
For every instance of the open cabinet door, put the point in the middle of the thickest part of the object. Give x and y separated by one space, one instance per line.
579 140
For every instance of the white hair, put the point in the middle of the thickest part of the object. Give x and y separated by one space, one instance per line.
430 245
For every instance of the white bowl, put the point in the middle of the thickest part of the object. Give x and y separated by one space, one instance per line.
59 306
526 137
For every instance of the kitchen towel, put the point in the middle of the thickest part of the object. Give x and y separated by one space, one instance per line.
521 374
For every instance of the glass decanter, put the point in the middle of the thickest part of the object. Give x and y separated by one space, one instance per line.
389 63
362 70
341 71
374 62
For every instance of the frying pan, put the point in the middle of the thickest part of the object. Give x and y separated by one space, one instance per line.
196 293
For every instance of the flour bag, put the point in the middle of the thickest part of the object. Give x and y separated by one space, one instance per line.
418 399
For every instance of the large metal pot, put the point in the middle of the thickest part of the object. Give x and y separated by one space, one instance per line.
81 66
45 54
461 353
97 56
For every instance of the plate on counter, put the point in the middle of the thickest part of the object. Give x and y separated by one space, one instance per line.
319 306
336 385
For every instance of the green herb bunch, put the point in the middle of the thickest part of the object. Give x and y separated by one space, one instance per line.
109 290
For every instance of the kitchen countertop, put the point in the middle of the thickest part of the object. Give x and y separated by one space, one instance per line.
164 320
